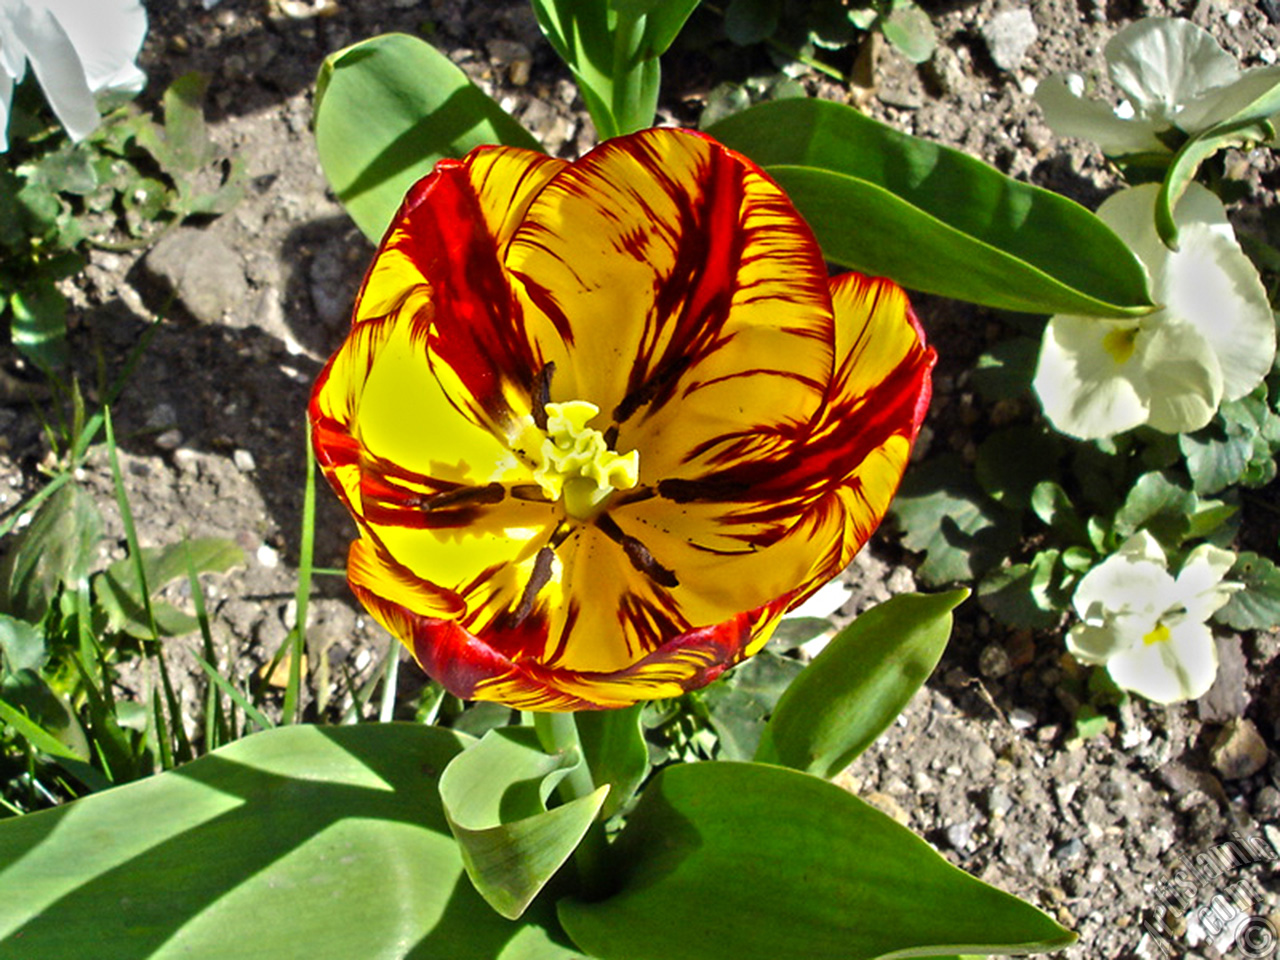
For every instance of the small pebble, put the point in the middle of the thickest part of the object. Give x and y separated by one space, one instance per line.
1069 850
993 662
169 439
959 835
1239 751
1020 718
268 556
243 460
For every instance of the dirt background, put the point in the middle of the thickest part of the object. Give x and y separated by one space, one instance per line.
211 428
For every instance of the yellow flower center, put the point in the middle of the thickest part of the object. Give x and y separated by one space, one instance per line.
577 464
1158 635
1120 343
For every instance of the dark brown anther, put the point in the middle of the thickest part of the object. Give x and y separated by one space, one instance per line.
635 495
637 553
687 491
651 388
538 579
530 492
465 497
542 395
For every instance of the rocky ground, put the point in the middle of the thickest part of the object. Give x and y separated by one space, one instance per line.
211 428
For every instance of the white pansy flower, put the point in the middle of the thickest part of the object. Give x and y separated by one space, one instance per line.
77 49
1213 339
1148 627
1173 76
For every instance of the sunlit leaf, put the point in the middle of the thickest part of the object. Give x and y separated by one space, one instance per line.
1257 606
56 548
386 110
856 687
935 219
742 861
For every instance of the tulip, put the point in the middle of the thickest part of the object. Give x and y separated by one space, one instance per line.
601 424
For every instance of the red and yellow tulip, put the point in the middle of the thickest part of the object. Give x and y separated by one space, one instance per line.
602 423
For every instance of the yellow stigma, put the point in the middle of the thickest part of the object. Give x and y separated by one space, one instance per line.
1120 343
1158 635
577 465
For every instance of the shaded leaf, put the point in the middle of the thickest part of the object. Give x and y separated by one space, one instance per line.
494 798
1011 462
935 219
1020 595
329 837
753 862
1257 606
613 744
943 514
386 110
739 704
22 645
56 548
856 687
909 29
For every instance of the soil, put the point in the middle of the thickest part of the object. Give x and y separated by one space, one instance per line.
250 304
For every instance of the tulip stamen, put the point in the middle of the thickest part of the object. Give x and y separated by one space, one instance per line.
465 496
576 464
538 578
637 553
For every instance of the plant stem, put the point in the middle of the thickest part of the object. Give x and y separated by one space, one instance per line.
558 733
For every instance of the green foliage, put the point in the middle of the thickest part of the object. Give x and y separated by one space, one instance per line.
946 223
495 801
612 48
386 110
749 861
118 590
856 687
1238 448
132 174
1257 606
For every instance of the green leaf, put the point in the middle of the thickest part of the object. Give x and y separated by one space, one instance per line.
494 798
387 109
752 862
118 593
1257 99
1158 504
943 514
1006 370
1257 606
56 548
22 645
739 704
935 219
856 687
1051 504
329 837
910 30
39 324
1021 596
615 750
1218 455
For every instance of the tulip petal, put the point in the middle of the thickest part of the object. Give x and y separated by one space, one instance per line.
681 293
439 265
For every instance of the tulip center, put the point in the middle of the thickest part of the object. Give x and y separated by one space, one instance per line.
577 465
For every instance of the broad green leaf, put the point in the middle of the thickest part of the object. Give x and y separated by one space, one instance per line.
856 687
744 861
332 838
613 745
119 594
386 110
56 548
750 21
1019 595
1012 461
183 146
934 219
1257 606
1051 504
1218 455
494 798
1006 370
943 514
1158 504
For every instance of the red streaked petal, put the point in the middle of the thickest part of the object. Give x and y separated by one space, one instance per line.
439 267
683 294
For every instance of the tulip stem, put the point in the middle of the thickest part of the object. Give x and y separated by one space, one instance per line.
558 733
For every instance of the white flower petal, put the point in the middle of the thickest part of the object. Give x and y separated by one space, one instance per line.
1095 645
1122 585
1071 115
1085 384
6 94
1215 106
1212 285
56 65
1164 64
1200 581
1143 546
1184 381
107 35
1180 667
